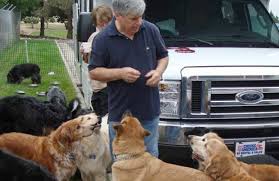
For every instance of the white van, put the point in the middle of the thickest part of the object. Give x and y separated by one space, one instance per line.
223 74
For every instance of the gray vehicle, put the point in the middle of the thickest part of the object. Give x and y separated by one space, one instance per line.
223 74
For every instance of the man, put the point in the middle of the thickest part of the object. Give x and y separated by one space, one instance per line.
130 55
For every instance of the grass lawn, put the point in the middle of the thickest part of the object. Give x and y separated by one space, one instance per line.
42 52
52 33
56 30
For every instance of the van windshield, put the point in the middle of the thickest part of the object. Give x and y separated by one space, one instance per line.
227 23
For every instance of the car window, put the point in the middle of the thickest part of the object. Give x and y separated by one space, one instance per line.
258 23
244 23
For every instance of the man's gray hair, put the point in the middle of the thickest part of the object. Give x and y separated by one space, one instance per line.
128 7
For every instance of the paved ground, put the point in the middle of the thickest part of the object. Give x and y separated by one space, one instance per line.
66 48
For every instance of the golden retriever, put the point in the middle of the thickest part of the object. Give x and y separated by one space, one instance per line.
221 164
197 144
56 151
132 162
261 172
93 157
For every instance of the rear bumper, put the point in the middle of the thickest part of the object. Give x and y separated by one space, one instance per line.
174 148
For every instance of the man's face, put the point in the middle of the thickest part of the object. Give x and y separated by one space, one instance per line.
130 24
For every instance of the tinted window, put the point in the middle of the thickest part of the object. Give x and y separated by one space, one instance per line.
213 23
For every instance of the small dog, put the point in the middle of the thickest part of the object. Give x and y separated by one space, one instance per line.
22 71
15 168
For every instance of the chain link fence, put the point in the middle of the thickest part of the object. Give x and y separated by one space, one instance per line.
55 58
44 52
67 51
58 57
9 26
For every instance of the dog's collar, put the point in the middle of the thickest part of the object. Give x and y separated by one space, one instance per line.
127 156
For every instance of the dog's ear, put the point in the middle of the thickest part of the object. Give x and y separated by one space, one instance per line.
127 113
118 128
74 108
212 167
146 133
66 135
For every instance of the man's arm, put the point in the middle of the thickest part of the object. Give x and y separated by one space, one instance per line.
154 76
162 65
127 74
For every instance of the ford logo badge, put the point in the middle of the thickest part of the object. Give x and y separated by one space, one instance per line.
249 97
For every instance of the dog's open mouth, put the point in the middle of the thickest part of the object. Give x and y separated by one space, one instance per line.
196 156
96 126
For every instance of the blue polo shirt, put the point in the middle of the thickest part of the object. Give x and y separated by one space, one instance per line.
111 49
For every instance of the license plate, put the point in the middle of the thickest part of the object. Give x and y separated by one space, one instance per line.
243 149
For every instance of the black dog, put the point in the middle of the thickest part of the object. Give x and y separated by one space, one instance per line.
57 97
14 168
29 115
198 131
22 71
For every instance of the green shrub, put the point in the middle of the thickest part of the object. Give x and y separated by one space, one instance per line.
31 19
51 19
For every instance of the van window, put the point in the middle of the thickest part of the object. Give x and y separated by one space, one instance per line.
227 23
258 23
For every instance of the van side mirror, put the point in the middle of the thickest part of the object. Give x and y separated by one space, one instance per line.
85 26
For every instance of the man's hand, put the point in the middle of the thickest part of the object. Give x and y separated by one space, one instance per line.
129 74
154 78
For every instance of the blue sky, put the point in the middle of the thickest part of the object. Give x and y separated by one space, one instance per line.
274 7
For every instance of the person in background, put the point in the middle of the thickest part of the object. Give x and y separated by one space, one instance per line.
101 16
130 55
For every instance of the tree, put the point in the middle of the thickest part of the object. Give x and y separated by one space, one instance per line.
30 8
42 12
275 18
26 7
66 7
2 3
43 8
32 20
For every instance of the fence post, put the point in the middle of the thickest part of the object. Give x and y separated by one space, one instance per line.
26 51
